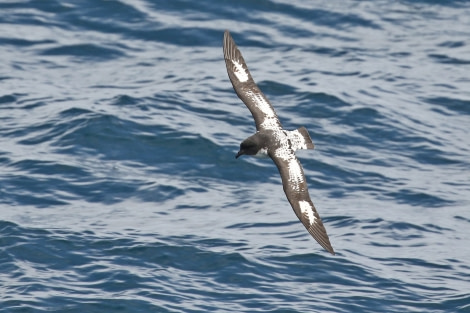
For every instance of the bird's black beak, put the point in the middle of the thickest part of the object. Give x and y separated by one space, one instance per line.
241 152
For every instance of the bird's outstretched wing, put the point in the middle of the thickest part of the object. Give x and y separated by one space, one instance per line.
246 88
295 187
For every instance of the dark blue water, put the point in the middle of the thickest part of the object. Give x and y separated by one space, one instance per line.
119 190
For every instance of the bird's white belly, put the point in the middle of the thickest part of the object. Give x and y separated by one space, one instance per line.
262 153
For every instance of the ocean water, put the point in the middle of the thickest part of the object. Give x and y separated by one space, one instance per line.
119 190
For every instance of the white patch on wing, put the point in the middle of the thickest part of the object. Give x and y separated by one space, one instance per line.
270 123
297 140
283 153
240 72
295 174
270 119
262 104
306 209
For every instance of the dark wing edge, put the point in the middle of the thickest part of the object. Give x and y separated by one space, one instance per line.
263 113
295 188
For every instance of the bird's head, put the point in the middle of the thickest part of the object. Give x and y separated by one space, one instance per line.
249 146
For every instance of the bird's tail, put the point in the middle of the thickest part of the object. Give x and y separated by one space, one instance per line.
300 139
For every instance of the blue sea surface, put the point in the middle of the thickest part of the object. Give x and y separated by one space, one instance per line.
120 192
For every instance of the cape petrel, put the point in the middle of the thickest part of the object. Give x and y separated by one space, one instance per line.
272 140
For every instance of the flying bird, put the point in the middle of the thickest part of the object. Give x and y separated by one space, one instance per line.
274 141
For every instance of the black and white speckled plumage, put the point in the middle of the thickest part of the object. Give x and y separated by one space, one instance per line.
272 140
